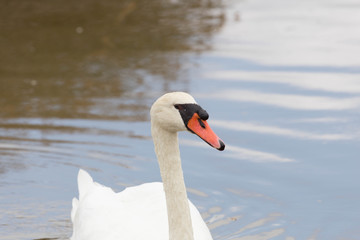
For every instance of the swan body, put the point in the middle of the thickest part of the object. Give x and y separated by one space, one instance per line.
156 210
136 213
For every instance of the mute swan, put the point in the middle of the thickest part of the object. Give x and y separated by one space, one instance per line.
158 211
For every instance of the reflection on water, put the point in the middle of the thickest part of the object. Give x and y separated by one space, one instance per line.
263 129
259 223
334 82
241 153
286 35
76 60
291 101
280 85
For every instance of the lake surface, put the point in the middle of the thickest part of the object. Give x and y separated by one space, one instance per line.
280 80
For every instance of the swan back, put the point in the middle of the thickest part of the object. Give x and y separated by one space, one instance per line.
85 182
136 213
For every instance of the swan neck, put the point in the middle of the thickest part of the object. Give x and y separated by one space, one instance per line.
168 154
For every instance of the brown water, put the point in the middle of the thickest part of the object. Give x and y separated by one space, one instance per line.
64 60
280 80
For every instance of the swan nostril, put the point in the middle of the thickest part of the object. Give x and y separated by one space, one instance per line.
201 123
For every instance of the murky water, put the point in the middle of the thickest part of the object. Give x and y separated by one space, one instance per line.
280 79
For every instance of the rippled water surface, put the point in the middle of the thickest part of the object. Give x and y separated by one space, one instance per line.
280 80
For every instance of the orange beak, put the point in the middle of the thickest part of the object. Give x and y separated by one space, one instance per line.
202 129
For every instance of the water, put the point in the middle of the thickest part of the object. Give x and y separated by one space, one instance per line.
280 80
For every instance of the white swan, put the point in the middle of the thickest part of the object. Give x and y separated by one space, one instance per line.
152 210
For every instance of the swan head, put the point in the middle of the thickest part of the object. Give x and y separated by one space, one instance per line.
178 111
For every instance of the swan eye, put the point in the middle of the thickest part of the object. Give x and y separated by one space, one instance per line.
179 107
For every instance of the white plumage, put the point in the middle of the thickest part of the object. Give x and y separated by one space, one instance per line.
147 211
136 213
